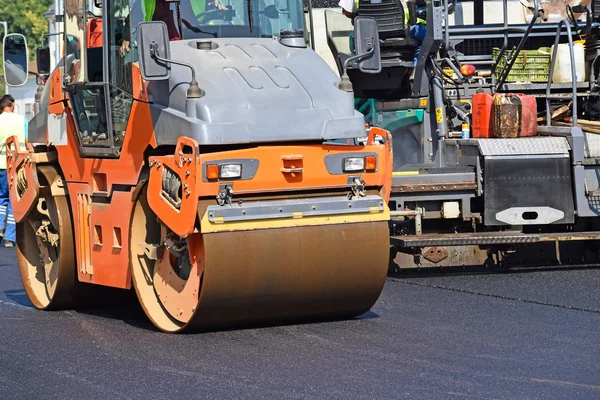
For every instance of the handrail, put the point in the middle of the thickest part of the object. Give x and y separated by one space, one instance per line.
446 31
505 44
508 67
312 25
573 73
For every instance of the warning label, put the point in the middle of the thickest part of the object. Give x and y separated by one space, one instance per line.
438 115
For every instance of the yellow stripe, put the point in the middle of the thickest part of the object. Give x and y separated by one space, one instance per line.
401 173
296 221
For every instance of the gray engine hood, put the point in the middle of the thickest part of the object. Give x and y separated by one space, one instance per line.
257 90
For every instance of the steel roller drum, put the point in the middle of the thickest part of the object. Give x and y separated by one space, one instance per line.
264 276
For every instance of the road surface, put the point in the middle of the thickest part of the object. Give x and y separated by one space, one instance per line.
518 335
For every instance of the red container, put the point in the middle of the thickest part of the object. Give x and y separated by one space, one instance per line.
528 115
482 123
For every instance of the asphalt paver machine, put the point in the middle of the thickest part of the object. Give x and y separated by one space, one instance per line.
474 184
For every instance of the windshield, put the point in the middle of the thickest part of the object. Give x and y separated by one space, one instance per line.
221 18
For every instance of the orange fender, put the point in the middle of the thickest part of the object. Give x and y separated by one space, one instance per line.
182 217
21 168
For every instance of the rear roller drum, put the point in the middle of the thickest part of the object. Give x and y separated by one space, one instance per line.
45 248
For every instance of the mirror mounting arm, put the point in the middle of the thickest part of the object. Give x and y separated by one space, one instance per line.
345 83
359 58
47 35
194 91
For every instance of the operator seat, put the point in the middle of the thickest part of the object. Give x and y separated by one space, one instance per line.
397 50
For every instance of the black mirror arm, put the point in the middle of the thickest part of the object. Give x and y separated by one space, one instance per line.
345 83
194 91
359 57
45 35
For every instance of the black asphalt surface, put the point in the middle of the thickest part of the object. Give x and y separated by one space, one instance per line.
517 335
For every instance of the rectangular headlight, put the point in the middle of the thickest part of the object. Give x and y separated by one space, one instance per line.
354 164
230 171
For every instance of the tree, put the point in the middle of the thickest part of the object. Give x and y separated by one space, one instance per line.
27 18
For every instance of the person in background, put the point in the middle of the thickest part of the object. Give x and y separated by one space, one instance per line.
160 10
349 8
10 124
417 31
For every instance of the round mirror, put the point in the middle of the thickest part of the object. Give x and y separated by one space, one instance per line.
15 60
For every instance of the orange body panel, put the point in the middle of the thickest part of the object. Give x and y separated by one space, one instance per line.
181 220
386 188
56 92
21 159
89 177
101 236
122 171
94 32
281 168
271 178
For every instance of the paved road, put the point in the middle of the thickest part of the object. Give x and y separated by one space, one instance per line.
524 335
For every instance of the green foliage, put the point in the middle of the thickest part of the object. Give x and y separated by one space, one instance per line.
27 18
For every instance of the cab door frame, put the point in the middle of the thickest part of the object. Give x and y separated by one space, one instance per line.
77 91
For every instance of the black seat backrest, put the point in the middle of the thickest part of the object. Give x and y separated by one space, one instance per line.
94 64
389 15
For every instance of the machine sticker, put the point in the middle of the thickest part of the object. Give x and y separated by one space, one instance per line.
438 115
423 103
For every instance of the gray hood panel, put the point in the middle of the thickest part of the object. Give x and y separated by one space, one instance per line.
257 90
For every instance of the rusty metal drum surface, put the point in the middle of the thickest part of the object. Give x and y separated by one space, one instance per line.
290 273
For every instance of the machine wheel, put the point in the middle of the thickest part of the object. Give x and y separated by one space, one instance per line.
46 250
149 265
274 275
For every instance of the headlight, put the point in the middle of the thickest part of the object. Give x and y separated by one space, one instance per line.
230 171
354 164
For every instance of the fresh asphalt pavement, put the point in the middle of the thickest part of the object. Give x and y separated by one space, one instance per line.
531 334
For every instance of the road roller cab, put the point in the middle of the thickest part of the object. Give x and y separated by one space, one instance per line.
206 157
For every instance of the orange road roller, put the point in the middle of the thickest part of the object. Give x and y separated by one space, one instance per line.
211 162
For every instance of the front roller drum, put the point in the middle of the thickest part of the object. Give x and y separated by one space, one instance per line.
261 276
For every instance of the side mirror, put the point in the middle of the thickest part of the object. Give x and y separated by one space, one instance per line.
153 45
15 59
366 38
43 60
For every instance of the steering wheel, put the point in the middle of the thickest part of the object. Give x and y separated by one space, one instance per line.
212 15
281 11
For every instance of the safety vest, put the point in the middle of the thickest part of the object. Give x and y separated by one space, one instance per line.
406 13
11 124
148 7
